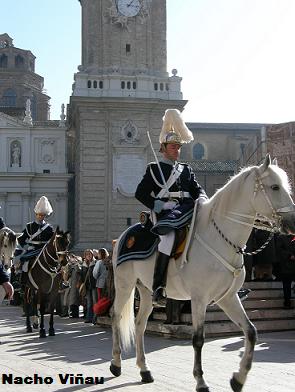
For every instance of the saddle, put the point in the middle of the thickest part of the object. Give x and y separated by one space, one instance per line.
139 243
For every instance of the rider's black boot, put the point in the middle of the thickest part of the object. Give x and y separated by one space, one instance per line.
159 282
24 278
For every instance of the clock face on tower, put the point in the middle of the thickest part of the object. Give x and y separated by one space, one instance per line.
129 8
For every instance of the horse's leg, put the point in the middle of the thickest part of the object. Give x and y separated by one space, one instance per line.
28 321
235 311
27 309
124 296
51 331
198 321
145 309
42 332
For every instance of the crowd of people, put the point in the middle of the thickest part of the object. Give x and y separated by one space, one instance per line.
87 284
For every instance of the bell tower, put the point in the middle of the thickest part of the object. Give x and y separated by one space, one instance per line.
120 92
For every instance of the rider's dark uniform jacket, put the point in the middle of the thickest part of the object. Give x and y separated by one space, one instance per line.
186 183
30 245
185 190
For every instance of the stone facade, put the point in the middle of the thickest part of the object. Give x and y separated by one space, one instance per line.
32 164
280 143
219 150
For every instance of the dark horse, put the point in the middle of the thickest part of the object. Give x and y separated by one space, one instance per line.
44 278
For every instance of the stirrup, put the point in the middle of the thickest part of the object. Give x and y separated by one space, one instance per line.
159 297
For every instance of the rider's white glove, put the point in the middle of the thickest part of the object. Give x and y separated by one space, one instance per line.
169 205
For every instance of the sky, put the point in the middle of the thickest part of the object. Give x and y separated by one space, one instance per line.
236 57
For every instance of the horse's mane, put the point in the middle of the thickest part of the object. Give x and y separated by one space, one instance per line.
222 196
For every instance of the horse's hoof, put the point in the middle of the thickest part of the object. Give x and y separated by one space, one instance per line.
29 329
42 334
236 386
146 377
203 389
35 325
115 370
51 332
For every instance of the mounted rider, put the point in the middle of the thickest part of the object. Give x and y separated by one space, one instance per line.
35 235
169 189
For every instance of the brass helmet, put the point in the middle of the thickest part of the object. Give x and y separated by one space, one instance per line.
174 130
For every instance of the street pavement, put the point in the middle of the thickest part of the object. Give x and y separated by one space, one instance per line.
85 349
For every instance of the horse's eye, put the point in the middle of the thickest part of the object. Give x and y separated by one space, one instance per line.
275 187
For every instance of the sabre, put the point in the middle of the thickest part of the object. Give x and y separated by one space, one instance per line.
158 164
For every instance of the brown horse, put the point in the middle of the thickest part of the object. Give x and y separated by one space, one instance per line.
44 278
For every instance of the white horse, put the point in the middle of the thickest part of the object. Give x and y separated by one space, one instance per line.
214 270
7 246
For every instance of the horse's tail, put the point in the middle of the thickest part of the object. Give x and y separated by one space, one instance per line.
127 326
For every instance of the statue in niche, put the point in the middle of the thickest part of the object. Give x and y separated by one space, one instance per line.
15 154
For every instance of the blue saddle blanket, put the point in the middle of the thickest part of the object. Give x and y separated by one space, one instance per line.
138 243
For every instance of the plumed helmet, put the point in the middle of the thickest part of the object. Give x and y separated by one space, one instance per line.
43 206
174 129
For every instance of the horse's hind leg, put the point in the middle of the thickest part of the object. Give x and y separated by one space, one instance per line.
235 311
122 296
145 308
198 321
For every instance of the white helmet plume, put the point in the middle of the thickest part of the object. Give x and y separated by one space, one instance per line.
174 129
43 206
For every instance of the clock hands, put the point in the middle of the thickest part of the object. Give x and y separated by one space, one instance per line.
129 4
136 6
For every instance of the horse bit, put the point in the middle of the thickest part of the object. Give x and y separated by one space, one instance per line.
261 222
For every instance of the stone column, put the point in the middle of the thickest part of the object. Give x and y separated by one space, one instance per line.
27 213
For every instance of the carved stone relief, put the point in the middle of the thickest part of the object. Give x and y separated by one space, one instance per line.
48 151
129 132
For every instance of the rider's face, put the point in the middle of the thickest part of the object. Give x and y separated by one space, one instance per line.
40 217
172 151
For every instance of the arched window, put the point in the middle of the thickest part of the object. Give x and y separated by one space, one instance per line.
3 61
9 97
19 61
15 154
198 151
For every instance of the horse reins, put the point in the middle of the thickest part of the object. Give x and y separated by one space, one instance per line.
258 221
53 271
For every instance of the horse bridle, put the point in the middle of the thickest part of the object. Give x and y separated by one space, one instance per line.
259 221
53 271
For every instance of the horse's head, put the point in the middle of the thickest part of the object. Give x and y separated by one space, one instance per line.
7 246
61 241
272 199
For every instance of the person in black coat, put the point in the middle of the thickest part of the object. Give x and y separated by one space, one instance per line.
264 260
2 224
35 235
170 190
285 246
4 282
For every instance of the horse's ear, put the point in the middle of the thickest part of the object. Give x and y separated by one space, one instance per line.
275 162
266 163
57 229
